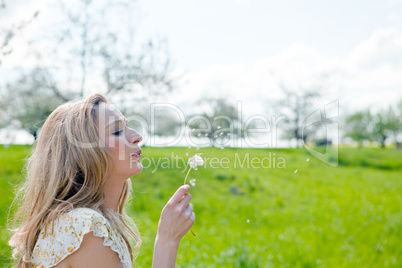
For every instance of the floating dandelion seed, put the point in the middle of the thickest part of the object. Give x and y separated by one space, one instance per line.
228 134
222 148
248 221
308 159
192 182
199 134
221 134
186 154
206 134
194 162
219 127
296 170
189 147
193 129
197 148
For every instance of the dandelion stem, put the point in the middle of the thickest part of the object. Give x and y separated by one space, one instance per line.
187 176
185 179
191 229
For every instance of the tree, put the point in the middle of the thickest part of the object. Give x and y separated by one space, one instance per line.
222 118
7 34
380 127
395 121
38 101
358 126
91 47
386 124
296 106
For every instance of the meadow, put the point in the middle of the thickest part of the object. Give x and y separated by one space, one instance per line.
253 215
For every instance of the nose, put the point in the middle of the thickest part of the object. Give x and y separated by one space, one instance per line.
136 138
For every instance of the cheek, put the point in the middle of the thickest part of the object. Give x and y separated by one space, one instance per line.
114 146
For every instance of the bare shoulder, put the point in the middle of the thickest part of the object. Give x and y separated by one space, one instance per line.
92 253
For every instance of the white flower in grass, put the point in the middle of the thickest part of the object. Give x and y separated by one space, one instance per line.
195 161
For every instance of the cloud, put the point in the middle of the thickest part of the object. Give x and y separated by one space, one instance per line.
370 75
384 47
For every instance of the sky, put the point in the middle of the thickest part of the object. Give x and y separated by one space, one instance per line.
243 49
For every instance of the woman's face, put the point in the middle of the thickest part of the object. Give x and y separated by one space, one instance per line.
120 140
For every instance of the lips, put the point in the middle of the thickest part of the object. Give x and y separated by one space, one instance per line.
138 153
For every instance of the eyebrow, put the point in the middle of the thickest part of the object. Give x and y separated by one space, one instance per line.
118 120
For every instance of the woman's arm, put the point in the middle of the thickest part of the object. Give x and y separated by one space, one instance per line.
177 217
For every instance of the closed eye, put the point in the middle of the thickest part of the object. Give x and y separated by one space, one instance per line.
117 133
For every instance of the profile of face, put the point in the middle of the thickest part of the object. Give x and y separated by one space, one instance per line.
120 140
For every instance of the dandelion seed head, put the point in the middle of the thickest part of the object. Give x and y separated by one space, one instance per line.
195 161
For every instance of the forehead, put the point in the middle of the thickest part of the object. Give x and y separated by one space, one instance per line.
108 113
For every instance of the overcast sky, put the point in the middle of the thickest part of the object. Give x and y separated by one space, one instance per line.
241 49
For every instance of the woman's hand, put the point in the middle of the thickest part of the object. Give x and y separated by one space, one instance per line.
177 217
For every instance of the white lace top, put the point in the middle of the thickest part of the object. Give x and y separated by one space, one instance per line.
69 230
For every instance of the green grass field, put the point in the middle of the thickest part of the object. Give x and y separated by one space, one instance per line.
320 216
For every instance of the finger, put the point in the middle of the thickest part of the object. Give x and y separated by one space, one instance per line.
189 209
186 200
179 193
192 216
183 197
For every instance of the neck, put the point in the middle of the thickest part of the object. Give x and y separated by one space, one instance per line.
112 191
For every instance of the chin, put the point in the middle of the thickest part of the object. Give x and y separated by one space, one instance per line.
137 168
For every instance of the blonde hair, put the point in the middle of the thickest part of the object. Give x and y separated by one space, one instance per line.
62 175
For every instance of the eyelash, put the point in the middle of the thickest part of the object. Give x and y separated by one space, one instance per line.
118 133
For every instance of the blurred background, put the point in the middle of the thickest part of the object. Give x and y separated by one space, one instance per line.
258 71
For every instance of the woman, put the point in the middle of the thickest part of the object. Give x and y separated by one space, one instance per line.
71 212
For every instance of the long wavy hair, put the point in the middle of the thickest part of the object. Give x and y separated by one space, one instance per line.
67 169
